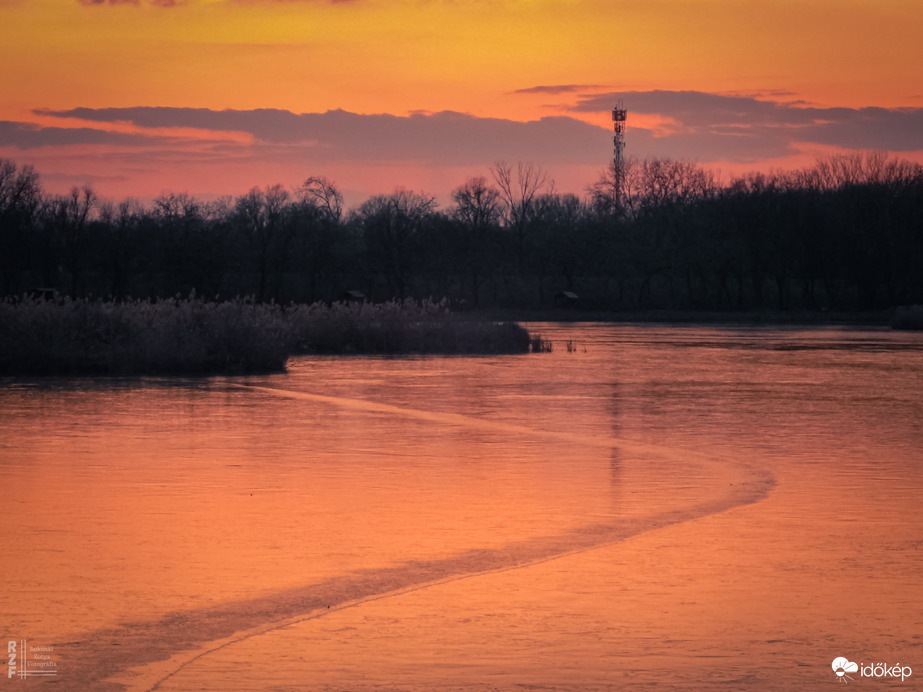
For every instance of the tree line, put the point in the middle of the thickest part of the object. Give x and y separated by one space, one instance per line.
843 234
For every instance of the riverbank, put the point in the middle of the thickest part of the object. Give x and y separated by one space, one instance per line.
868 318
196 337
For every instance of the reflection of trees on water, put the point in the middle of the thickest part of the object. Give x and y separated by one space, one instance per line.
614 404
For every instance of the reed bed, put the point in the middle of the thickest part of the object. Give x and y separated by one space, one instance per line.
193 336
400 327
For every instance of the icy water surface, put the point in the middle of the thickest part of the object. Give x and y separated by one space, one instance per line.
645 507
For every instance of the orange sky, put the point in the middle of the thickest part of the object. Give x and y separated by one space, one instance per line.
398 57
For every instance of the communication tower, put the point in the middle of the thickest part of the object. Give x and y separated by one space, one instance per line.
619 116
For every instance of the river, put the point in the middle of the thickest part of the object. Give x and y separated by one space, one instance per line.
648 507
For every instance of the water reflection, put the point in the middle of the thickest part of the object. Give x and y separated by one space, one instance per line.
241 502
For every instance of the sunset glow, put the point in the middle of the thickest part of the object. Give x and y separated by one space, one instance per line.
697 76
435 345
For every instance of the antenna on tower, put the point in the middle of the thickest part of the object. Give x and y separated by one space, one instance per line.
619 116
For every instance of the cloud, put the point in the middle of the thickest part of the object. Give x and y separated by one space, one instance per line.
30 136
558 89
179 3
157 3
768 93
286 2
443 138
742 128
700 126
201 149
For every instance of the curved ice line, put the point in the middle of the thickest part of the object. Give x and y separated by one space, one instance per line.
372 599
474 421
447 580
755 486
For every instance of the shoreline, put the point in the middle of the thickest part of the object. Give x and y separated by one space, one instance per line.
191 337
775 318
194 337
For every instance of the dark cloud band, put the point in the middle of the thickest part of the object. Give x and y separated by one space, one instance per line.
557 89
31 136
708 123
702 127
447 138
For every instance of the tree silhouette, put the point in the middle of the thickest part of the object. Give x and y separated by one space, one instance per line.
262 216
120 224
843 233
316 219
478 210
69 215
391 226
322 194
522 197
20 204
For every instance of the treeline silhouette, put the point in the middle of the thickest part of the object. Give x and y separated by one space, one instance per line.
844 234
